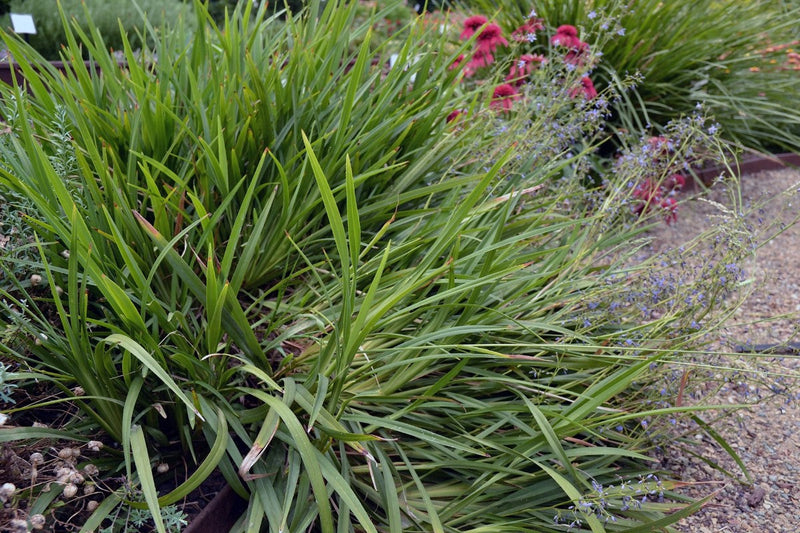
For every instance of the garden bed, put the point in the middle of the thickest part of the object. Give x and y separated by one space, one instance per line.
392 291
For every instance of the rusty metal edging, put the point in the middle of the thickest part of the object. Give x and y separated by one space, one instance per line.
750 164
220 514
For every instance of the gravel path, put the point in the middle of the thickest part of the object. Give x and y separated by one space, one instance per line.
766 435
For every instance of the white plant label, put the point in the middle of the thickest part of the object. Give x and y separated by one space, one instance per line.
22 23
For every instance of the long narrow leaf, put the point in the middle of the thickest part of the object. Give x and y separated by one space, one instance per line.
142 461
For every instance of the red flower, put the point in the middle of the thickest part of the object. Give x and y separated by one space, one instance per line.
504 96
566 35
671 207
457 62
482 58
674 182
654 195
659 146
567 29
523 68
471 25
577 53
453 115
657 142
647 191
524 32
490 37
586 87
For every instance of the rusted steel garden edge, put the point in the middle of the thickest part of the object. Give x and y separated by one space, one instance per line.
786 348
220 514
749 164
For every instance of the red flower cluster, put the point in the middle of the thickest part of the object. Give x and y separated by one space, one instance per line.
471 25
675 182
653 194
482 58
586 88
489 36
527 32
567 37
523 68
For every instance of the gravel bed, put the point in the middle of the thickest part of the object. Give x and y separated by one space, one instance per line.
765 435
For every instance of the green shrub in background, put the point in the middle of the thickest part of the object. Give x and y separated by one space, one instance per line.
275 257
109 17
217 8
718 53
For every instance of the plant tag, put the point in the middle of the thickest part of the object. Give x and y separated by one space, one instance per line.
22 23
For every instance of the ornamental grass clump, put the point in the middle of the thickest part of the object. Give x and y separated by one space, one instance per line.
276 258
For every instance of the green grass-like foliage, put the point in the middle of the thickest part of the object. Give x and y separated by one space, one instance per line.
283 263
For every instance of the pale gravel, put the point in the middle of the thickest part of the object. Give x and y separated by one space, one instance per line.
766 435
